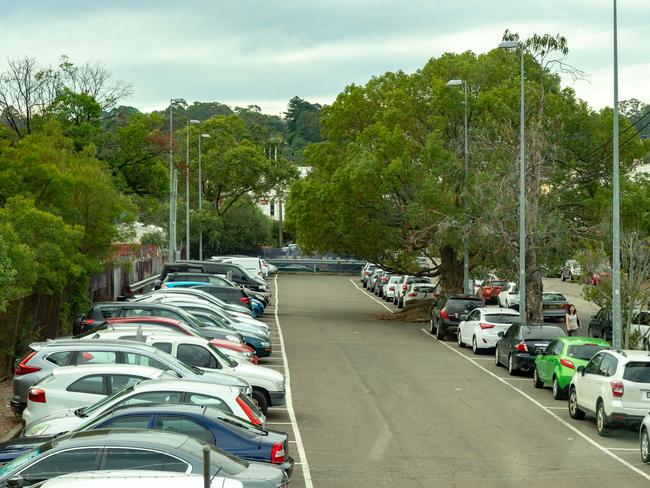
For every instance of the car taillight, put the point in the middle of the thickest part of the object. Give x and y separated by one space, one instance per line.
384 280
391 287
405 287
36 395
278 454
246 300
617 389
521 347
566 363
250 413
23 368
255 359
444 314
87 322
412 294
486 326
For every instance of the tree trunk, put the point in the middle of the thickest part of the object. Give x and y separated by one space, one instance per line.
451 270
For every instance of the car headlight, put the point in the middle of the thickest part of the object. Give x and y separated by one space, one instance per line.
37 429
266 344
279 385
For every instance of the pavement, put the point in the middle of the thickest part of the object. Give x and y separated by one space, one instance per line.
383 403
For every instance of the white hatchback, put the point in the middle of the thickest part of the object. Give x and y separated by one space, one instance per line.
614 386
509 295
481 327
75 386
419 291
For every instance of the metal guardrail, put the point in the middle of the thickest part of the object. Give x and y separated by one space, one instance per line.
317 265
143 286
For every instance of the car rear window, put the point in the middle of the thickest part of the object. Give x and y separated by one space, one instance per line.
541 332
584 351
637 371
553 297
498 283
424 288
461 304
501 318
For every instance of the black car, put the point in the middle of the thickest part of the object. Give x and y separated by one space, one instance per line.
447 314
600 325
234 272
521 343
228 294
111 449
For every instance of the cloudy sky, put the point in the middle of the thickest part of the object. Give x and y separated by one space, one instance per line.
264 52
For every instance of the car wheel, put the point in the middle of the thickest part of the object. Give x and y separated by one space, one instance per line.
260 399
558 392
646 345
497 363
460 341
536 381
440 331
475 349
645 446
400 303
574 410
432 327
511 366
601 420
590 332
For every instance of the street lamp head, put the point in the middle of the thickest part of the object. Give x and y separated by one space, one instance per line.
177 100
455 82
194 121
508 44
205 136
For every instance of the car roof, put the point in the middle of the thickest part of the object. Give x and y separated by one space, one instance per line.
149 319
633 355
185 385
104 369
128 437
162 336
577 340
464 297
494 310
108 343
179 408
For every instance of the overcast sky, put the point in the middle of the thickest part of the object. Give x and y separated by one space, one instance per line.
243 52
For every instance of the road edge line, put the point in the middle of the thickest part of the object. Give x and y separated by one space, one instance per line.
370 296
289 398
545 409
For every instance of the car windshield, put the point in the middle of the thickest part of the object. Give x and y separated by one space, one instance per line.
498 283
501 318
19 461
584 351
553 297
541 332
97 407
637 371
225 359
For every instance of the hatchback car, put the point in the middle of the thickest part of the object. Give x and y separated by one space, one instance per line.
521 343
447 314
481 328
614 386
554 305
557 364
419 291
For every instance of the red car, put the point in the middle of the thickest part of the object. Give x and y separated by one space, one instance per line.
489 291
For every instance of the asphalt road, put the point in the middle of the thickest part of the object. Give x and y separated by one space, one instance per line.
382 403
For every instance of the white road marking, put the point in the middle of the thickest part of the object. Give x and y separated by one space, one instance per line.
621 448
557 408
289 399
370 296
279 423
548 411
513 379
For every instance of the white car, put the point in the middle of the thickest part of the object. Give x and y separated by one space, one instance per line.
481 327
74 386
267 383
226 398
141 479
250 264
418 291
403 286
509 295
614 387
390 288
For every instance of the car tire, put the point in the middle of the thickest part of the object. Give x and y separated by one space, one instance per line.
497 363
440 331
432 327
260 399
602 426
590 332
511 366
574 410
475 348
645 446
558 393
536 381
460 341
400 303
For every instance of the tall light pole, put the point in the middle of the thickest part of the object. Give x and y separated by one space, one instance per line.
187 187
466 289
616 211
172 212
202 136
522 181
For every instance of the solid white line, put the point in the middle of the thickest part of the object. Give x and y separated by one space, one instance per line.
515 379
370 296
621 448
548 411
289 399
557 408
279 423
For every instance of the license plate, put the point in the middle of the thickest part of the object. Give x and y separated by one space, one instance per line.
647 394
457 315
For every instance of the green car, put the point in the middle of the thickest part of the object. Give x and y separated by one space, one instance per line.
560 360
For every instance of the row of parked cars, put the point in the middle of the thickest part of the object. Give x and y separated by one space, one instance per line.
398 289
611 386
151 382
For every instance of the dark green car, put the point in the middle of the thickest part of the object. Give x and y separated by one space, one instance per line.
557 365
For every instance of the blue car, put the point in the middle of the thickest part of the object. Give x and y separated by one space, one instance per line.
233 295
207 424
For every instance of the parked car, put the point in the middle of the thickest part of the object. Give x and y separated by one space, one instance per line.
571 270
554 305
521 343
226 398
403 286
446 314
600 324
481 327
366 271
232 271
603 271
509 295
43 357
390 288
374 276
381 282
489 290
478 282
212 279
111 449
72 386
250 263
557 364
419 291
615 387
143 479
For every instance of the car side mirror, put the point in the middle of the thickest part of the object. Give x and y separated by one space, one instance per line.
500 334
463 316
16 482
581 370
157 285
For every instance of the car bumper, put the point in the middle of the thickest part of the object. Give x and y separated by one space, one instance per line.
524 361
554 314
619 418
287 467
17 406
277 398
487 342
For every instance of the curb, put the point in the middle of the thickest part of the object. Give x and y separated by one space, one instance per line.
12 433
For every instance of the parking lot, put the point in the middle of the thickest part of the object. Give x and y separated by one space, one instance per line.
383 403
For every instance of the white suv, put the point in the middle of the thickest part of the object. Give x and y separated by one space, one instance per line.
614 386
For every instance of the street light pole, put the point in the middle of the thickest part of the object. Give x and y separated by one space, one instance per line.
466 287
201 197
172 212
187 187
522 182
616 211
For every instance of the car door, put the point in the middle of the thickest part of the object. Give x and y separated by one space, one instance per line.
586 389
62 462
143 459
183 424
196 355
117 382
546 364
466 327
505 344
83 391
601 380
